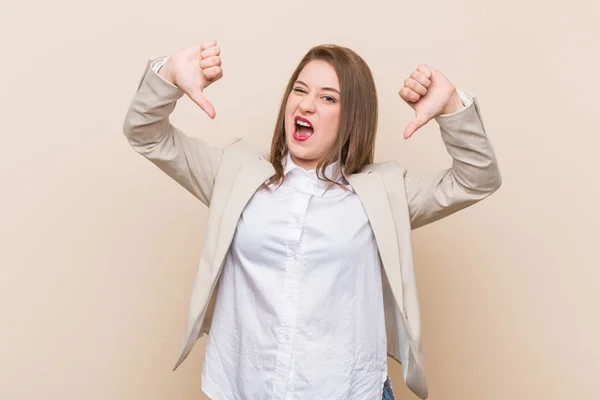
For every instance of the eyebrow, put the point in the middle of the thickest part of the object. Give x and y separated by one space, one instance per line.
324 88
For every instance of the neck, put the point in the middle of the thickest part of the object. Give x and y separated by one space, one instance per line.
311 165
306 164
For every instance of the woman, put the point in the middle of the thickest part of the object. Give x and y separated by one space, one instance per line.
306 279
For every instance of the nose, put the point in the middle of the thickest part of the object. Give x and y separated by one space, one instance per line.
307 105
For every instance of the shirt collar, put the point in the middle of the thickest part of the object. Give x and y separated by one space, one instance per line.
329 170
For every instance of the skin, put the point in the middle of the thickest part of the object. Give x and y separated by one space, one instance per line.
314 96
426 90
192 69
430 94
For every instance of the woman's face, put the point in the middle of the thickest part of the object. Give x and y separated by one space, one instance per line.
313 101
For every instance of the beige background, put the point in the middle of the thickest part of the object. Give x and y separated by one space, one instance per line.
99 248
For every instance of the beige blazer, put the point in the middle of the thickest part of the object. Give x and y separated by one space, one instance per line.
395 202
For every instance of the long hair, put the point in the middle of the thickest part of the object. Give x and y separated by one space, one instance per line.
354 145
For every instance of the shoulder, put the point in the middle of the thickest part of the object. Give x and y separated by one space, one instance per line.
242 149
384 167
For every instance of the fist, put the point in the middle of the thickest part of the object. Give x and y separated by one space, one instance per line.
193 69
430 94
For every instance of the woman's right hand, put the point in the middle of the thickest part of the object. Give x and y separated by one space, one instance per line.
194 68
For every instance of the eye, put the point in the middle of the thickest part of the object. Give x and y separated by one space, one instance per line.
329 99
299 90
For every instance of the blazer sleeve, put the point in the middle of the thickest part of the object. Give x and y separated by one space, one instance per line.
473 176
188 160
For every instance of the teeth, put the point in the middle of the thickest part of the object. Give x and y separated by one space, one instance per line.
304 124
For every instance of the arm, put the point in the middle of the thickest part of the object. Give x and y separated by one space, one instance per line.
474 173
190 161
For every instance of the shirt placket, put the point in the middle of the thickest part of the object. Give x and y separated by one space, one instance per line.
293 269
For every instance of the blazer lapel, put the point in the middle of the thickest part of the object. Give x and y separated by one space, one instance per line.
370 189
250 177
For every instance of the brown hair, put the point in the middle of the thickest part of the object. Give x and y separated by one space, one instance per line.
354 145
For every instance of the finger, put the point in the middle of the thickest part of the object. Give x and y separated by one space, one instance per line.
408 95
421 78
413 126
425 70
207 44
213 73
199 98
219 76
215 78
415 86
214 61
211 51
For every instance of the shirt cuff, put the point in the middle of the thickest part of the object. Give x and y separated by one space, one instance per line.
467 100
157 65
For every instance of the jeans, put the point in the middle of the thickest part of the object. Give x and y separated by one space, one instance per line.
388 391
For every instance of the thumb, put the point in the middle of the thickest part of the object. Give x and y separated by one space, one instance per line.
199 98
414 125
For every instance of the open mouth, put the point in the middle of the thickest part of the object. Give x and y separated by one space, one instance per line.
303 129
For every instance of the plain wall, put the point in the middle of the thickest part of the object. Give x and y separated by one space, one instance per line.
99 247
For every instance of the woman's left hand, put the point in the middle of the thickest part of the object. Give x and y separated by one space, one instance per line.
430 94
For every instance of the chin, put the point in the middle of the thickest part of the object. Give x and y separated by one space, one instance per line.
297 150
298 153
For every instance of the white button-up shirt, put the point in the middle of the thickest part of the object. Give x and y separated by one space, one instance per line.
299 312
